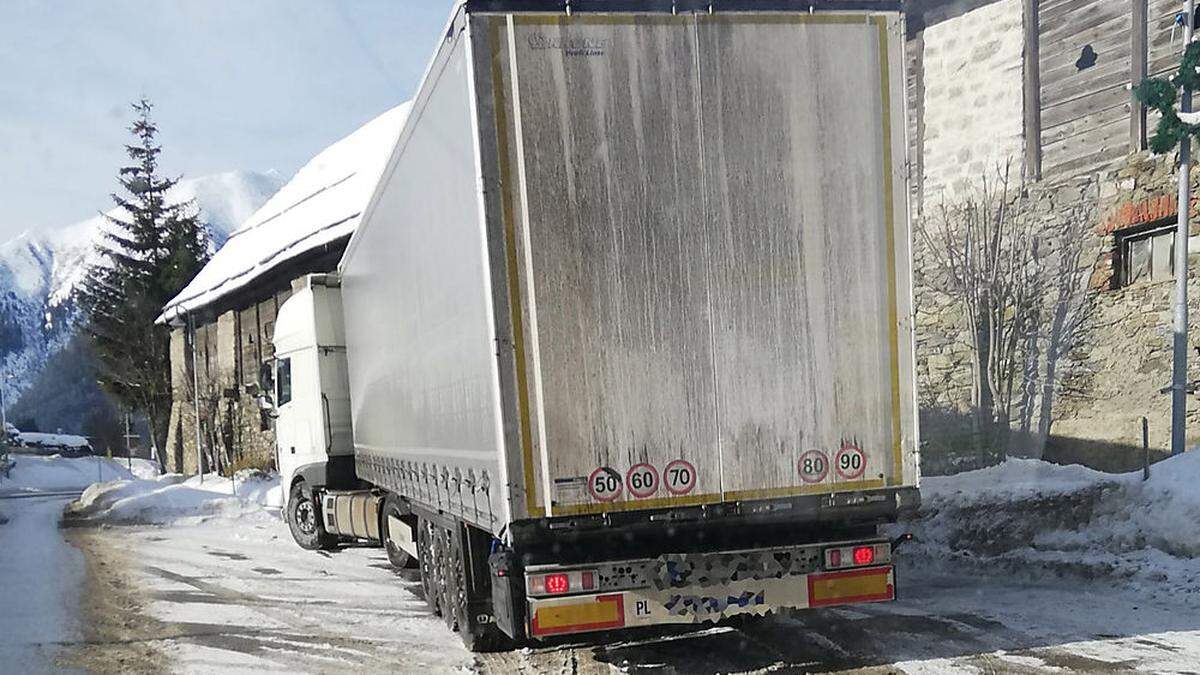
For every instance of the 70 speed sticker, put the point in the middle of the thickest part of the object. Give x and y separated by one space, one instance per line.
643 480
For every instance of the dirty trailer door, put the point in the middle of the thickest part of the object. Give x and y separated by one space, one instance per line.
699 238
808 230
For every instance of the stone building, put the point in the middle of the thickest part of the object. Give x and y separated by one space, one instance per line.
1045 86
222 322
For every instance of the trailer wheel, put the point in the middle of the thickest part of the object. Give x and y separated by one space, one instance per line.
397 556
429 562
305 521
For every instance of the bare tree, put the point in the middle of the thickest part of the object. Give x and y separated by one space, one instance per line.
1071 296
1023 283
985 256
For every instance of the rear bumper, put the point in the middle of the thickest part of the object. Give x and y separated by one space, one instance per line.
700 604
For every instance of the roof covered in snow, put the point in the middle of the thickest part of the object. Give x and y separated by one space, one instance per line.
321 204
35 439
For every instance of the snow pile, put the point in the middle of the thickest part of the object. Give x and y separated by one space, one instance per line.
1027 514
144 469
321 204
171 498
32 474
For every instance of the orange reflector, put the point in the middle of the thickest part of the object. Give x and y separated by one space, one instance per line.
596 613
841 588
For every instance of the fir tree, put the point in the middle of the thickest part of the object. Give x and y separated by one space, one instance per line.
151 249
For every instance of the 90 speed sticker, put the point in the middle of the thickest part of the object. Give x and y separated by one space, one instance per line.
813 466
850 462
604 484
643 480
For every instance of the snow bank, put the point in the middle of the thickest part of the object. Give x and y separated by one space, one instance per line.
1027 514
59 474
171 498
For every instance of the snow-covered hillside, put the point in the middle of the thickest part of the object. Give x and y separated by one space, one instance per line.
40 270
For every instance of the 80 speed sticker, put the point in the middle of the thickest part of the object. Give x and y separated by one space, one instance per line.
813 466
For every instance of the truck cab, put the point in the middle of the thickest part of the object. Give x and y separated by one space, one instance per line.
312 405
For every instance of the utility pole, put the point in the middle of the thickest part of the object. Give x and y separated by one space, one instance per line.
196 397
1179 369
3 418
128 450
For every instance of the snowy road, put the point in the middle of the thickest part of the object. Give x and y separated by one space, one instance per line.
238 595
41 579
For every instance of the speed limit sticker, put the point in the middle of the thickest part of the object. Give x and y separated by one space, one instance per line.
604 484
850 462
814 466
680 477
643 480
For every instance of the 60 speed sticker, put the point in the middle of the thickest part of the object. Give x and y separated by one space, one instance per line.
680 477
604 484
643 480
850 462
813 466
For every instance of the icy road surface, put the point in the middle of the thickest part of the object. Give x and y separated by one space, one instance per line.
41 578
238 595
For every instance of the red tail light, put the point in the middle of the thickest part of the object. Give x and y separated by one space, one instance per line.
556 584
864 555
844 557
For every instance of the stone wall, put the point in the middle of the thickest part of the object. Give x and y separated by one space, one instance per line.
1115 374
1129 355
230 353
972 96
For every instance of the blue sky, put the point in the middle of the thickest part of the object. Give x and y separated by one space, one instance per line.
237 84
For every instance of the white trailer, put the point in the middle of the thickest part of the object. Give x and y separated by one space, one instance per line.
625 335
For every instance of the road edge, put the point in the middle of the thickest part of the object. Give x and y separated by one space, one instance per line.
119 636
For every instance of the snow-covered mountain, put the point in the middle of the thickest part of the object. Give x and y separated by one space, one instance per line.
40 271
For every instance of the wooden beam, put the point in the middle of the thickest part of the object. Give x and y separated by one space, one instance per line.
1031 65
1139 68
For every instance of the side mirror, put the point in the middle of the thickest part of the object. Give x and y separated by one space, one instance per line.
265 389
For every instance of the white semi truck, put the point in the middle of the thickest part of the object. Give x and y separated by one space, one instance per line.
625 335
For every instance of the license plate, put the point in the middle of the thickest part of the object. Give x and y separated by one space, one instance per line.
700 604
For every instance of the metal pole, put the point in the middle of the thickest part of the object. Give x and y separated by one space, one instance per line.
128 450
196 397
3 417
1145 449
1179 370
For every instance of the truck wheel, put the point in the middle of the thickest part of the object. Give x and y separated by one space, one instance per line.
305 522
396 555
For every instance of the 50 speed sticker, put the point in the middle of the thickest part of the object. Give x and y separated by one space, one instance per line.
813 466
850 462
643 480
680 477
604 484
